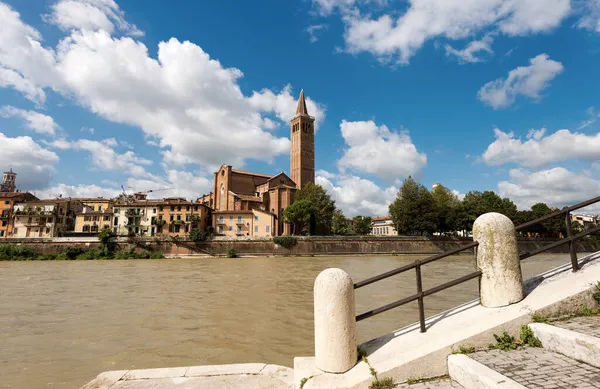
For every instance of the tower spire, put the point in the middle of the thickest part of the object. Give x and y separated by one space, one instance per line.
301 109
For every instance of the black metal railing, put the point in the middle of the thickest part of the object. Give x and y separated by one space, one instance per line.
421 294
570 239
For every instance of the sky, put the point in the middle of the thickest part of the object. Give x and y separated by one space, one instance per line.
495 95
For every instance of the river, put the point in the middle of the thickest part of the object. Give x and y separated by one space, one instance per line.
64 322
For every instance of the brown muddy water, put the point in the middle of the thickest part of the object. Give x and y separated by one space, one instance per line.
64 322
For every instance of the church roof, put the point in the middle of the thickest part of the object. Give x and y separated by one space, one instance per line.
251 173
251 198
301 108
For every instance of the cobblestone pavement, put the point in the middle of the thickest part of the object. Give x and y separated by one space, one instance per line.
589 325
437 384
537 368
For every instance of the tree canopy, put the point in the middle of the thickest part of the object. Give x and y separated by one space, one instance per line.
363 225
324 208
299 215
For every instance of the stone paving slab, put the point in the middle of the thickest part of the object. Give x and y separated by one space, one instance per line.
537 368
216 382
588 325
437 384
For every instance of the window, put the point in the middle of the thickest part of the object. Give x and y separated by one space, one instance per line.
137 230
186 229
99 207
195 207
94 228
171 218
255 217
239 219
106 218
116 221
221 218
179 208
187 207
187 218
7 202
2 233
231 218
86 228
255 228
220 229
92 208
15 231
160 208
172 208
105 226
116 210
177 227
154 211
50 220
230 228
95 218
3 223
222 196
47 230
178 217
268 228
239 229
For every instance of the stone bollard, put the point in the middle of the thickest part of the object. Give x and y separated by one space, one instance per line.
335 322
498 260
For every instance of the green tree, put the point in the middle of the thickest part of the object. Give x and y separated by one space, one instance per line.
414 211
198 236
477 203
324 208
339 226
363 225
446 204
105 237
299 215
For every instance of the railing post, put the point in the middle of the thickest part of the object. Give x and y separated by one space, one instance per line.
498 259
335 322
572 251
420 300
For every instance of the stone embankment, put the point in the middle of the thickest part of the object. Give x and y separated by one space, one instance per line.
305 246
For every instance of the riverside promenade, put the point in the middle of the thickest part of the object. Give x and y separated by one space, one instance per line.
425 355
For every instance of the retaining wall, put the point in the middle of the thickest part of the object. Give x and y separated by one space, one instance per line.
305 246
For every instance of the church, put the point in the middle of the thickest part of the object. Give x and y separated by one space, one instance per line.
252 204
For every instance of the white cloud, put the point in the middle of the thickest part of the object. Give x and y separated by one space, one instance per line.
33 163
87 129
184 99
76 191
469 53
175 184
11 79
91 15
524 80
389 36
314 31
592 117
104 157
326 7
358 196
539 150
33 120
557 187
377 150
590 19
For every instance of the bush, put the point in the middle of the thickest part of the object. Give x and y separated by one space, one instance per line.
198 236
46 257
10 251
92 254
73 252
286 241
155 255
231 253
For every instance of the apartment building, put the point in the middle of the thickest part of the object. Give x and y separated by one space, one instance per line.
44 218
383 226
586 221
7 202
178 216
255 222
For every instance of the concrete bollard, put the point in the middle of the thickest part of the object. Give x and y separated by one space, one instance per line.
335 322
498 260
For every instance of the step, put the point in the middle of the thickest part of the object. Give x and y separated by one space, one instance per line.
472 374
536 368
576 341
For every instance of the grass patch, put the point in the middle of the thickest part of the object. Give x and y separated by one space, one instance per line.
539 319
304 380
385 383
412 381
231 253
506 342
464 350
529 338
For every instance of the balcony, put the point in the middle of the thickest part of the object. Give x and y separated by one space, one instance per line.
240 223
133 212
221 222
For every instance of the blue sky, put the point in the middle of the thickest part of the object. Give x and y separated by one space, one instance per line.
477 95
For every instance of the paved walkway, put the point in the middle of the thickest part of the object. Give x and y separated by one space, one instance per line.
537 368
589 325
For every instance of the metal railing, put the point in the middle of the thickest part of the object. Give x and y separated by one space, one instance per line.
421 294
570 239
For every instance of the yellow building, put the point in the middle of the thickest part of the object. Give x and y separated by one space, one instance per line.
256 223
96 215
383 226
45 218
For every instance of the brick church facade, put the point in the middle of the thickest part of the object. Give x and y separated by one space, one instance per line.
252 204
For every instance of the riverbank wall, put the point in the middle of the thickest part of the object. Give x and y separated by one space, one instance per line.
305 246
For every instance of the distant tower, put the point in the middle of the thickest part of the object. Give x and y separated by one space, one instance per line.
302 153
9 181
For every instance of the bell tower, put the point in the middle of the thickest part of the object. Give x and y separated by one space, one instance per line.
9 181
302 153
